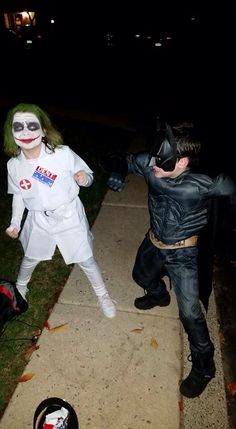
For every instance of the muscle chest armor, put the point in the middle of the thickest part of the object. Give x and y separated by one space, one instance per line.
178 206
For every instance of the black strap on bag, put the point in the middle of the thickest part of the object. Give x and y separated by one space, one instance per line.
50 405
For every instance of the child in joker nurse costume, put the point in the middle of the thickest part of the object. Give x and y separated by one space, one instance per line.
45 177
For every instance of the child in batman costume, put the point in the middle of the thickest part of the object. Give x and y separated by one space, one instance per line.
178 201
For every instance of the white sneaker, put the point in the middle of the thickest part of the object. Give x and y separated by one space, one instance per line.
107 305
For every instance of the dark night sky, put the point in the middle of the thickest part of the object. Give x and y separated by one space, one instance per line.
197 71
126 14
195 78
138 15
155 16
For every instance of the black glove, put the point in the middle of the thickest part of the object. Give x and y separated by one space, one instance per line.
116 182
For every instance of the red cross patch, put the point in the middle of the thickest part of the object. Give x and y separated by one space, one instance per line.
25 184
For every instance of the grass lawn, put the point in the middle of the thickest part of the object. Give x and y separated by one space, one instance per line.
49 277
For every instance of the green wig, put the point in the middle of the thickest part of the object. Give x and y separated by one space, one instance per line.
53 136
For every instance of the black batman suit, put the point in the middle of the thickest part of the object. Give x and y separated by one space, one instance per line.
180 208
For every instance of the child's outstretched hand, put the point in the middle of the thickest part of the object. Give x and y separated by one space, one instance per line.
81 178
12 231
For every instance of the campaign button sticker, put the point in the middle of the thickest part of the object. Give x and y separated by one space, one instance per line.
25 184
44 176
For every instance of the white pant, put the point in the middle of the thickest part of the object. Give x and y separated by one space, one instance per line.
89 267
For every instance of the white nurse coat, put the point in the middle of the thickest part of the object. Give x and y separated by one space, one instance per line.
56 215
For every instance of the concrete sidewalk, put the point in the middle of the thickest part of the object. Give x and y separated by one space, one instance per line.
122 372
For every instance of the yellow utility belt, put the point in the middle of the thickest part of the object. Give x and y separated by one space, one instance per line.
188 242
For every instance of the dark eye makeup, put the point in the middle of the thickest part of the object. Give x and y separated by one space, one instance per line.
31 126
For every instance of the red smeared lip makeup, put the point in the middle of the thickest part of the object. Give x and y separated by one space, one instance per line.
27 140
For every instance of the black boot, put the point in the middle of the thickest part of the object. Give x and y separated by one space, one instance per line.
149 300
203 370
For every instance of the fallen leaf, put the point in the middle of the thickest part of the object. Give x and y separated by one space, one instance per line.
25 377
29 351
58 328
232 387
153 343
137 330
46 325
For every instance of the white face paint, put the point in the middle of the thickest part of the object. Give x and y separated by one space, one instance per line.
27 130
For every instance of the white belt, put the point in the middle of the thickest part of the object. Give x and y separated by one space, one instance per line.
65 211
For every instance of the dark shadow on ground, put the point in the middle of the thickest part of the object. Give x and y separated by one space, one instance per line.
225 292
